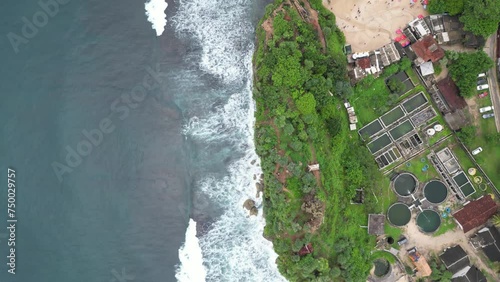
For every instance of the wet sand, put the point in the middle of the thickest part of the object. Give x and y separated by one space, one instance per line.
370 24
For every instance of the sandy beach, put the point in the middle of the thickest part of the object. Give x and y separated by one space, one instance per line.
370 24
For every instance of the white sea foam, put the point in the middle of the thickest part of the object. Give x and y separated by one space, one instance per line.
191 258
233 248
218 27
155 10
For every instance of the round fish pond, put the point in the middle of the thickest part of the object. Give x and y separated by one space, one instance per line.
428 221
382 267
399 214
405 184
435 192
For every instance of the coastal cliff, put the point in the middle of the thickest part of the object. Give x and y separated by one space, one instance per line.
312 163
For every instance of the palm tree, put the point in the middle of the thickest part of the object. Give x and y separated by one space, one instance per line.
496 220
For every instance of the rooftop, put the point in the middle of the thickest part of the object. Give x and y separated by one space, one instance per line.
488 239
306 249
450 93
364 63
420 263
428 49
471 275
451 23
475 213
376 224
426 68
455 259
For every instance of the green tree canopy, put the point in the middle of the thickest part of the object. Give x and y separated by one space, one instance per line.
405 64
395 85
465 67
481 17
453 7
306 104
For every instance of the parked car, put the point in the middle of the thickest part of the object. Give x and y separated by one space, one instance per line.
482 87
490 115
477 151
481 81
486 109
481 75
484 94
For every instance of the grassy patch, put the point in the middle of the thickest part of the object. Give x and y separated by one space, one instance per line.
416 166
413 76
371 99
385 255
489 159
447 224
437 68
439 135
394 232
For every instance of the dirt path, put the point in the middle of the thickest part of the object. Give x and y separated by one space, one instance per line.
313 19
474 111
428 244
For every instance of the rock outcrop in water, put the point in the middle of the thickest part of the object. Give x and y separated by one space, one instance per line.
249 204
254 211
260 188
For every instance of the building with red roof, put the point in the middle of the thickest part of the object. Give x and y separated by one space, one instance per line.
450 93
306 249
475 213
427 49
364 63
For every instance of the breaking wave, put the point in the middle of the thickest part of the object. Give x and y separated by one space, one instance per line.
233 247
155 10
191 257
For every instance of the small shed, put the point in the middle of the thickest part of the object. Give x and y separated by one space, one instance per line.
313 167
420 262
376 224
427 68
307 249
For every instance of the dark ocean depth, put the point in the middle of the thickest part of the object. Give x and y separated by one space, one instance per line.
121 212
94 113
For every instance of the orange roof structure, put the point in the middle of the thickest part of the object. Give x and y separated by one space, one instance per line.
420 263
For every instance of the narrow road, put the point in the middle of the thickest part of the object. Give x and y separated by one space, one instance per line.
490 49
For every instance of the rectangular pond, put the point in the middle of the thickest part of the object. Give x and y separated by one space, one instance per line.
388 157
413 103
379 143
400 130
370 129
392 116
467 189
460 179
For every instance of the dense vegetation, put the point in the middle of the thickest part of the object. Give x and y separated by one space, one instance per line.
439 272
300 84
465 67
481 17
